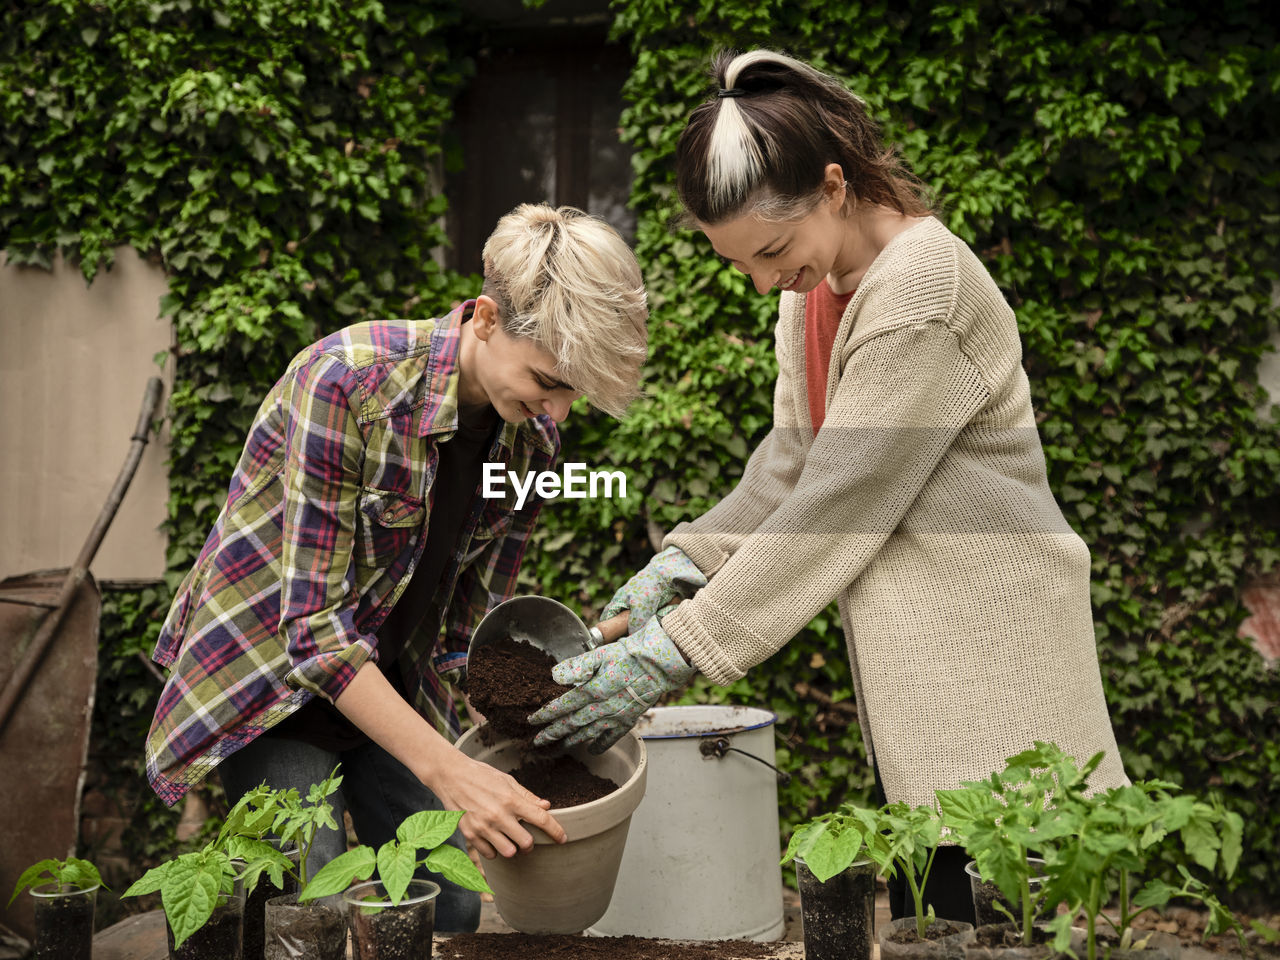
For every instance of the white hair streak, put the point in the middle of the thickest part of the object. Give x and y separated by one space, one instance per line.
734 161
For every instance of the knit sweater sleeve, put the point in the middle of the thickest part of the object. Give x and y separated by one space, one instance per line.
770 474
903 397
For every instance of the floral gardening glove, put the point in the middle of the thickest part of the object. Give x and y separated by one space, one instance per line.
667 576
617 683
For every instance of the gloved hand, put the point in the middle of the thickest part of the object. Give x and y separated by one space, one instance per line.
668 575
617 683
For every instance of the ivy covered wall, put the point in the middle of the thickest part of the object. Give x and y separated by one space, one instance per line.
280 160
1115 165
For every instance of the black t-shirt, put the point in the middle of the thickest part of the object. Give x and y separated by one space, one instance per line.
458 474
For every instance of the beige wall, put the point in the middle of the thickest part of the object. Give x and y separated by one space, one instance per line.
73 367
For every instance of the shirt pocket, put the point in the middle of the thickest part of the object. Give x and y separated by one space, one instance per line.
494 519
386 525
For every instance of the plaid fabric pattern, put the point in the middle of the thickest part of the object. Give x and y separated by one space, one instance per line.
322 528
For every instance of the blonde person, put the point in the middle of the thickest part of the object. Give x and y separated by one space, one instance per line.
903 477
355 554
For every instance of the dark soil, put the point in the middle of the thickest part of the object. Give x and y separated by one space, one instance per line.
935 931
219 939
564 781
1008 935
508 680
985 897
64 928
838 915
395 933
508 946
311 930
255 905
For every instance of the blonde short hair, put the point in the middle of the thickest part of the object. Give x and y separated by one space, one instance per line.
568 282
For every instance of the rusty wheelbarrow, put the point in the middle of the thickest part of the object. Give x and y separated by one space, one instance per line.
48 666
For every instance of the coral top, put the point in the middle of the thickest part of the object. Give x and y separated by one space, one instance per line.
822 312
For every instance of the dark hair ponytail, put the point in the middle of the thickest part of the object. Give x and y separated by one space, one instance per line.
763 142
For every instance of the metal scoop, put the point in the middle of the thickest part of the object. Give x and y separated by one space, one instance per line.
545 623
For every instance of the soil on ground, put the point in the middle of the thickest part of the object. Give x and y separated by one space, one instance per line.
1188 924
508 680
501 946
564 781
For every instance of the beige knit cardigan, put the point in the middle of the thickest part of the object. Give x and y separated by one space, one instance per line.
921 506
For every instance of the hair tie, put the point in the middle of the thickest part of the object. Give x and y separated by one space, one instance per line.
731 92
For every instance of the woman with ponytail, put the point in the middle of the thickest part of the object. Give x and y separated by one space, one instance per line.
903 477
334 599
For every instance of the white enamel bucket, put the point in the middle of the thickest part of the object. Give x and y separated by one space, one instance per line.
701 861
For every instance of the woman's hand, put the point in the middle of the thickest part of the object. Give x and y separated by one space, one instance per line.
616 684
497 807
494 804
668 576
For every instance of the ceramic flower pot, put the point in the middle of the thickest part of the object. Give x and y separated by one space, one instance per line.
381 930
838 915
63 921
986 895
292 930
564 887
944 940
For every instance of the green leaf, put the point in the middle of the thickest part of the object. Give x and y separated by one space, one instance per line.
396 863
338 874
455 865
189 892
835 854
80 873
1232 841
1269 934
149 882
1154 893
428 829
1201 842
28 877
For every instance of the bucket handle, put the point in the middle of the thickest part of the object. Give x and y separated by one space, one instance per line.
718 746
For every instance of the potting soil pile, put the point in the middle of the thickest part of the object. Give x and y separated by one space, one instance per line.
507 681
564 781
500 946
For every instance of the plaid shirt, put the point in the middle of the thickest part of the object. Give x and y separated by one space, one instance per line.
322 529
